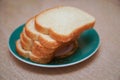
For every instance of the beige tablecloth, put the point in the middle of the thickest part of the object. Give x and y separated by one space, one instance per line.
104 65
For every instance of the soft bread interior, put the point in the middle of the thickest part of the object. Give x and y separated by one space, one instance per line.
64 20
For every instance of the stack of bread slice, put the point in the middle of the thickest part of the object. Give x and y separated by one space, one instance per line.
53 33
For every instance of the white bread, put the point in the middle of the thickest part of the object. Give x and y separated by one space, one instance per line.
44 39
63 23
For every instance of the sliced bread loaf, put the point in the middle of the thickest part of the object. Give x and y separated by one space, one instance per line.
63 23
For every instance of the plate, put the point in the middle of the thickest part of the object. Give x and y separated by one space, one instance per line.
88 42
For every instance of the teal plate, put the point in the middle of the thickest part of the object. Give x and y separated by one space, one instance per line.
89 42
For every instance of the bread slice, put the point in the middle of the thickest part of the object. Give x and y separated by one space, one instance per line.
44 39
21 51
63 23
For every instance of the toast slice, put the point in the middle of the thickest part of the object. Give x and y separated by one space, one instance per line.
63 23
44 39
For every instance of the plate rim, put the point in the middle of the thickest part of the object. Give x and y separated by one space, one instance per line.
51 66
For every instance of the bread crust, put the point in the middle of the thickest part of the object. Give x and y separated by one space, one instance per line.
41 29
34 58
25 45
26 39
21 51
41 60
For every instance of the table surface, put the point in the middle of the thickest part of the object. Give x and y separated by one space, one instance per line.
104 65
